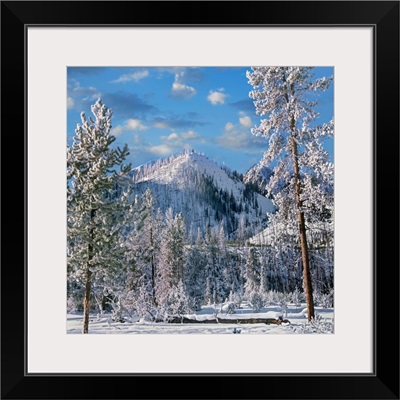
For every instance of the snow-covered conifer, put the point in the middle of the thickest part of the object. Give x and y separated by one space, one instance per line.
196 263
145 241
178 302
302 177
93 170
171 257
252 272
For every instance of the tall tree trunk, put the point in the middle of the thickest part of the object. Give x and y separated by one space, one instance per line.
153 280
103 302
89 273
302 227
153 268
86 304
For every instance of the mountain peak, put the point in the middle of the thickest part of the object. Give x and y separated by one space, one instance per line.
258 175
204 192
175 169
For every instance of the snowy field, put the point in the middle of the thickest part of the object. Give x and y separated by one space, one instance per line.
323 324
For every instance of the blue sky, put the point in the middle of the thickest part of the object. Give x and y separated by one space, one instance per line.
159 111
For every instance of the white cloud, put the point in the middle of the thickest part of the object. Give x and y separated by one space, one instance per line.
161 125
229 126
161 149
168 144
117 130
129 125
180 89
183 91
238 137
175 142
177 139
172 136
134 125
135 77
172 143
79 93
234 139
70 103
245 121
189 135
216 97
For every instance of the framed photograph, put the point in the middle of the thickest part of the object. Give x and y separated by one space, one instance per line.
239 236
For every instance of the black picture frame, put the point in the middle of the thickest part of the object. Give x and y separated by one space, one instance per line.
383 383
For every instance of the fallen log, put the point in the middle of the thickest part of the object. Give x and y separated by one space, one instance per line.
268 321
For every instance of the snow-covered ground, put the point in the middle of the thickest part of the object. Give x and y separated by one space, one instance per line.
324 324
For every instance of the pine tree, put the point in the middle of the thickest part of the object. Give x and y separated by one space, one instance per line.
241 231
93 170
145 241
171 259
285 97
178 302
196 264
215 285
263 276
252 272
